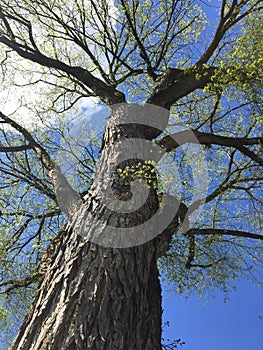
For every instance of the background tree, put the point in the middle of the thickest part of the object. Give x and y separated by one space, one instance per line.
160 53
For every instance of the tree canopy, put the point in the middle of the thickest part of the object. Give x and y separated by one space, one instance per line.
202 62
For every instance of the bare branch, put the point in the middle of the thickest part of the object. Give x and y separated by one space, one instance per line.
144 54
66 195
107 93
18 283
40 151
191 250
214 231
169 143
12 149
5 21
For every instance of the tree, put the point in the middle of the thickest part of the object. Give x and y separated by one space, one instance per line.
98 282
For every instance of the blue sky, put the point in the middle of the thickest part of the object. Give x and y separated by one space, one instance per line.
218 325
233 325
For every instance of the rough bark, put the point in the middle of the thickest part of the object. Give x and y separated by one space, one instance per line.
94 297
176 84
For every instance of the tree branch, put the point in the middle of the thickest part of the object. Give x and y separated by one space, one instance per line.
172 142
143 51
107 93
227 21
200 75
178 83
12 149
18 283
214 231
66 195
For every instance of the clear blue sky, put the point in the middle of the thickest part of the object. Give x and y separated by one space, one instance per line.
233 325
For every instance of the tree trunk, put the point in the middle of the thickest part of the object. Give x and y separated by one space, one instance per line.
96 297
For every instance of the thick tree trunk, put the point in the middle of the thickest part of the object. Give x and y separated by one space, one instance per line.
95 297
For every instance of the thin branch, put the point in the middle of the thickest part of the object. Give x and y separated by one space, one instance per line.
143 54
18 283
205 266
191 250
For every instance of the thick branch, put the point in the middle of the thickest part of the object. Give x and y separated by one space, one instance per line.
170 143
201 75
40 151
177 83
214 231
206 138
108 94
11 149
66 195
